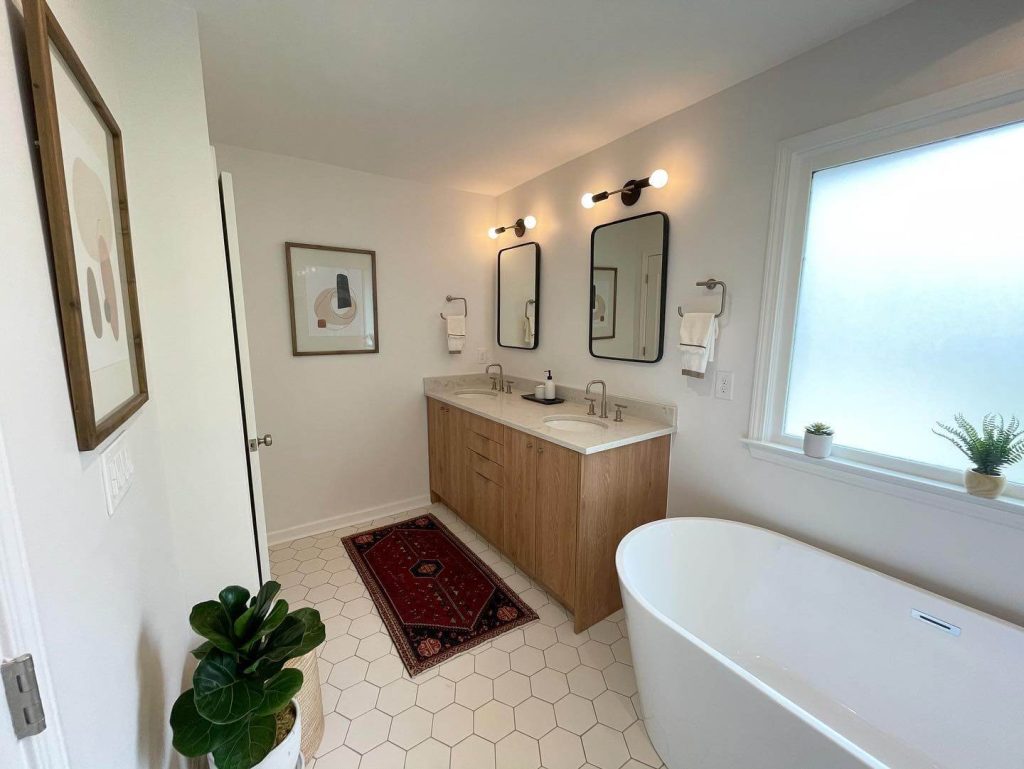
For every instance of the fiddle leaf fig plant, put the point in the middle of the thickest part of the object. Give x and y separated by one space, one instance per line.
241 687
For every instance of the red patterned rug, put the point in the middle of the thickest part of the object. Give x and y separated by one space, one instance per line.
436 597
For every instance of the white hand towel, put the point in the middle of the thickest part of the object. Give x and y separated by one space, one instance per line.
697 334
456 333
528 330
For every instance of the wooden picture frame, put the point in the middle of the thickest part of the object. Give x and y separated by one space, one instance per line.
332 299
104 360
612 299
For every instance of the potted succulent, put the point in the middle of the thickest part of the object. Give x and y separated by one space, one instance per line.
818 440
240 709
997 444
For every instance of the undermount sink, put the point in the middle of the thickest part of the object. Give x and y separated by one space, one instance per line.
574 424
476 395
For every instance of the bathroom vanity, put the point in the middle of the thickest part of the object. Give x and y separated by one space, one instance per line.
556 500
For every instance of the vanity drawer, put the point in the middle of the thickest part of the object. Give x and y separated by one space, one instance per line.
492 471
485 447
485 427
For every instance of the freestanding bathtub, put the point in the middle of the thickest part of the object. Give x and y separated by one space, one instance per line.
756 651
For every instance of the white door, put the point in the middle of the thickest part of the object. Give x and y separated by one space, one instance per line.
255 440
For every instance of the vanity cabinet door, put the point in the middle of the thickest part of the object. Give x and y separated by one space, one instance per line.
444 448
521 499
436 445
454 460
557 513
487 506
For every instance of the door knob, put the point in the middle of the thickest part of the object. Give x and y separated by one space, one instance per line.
262 440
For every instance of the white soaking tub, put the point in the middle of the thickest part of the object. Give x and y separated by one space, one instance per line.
756 651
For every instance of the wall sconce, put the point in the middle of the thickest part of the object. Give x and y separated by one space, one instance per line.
519 228
630 190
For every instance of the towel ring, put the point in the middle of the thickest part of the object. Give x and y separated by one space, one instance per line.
526 308
710 284
465 304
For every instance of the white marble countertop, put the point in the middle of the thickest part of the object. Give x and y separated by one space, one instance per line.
513 411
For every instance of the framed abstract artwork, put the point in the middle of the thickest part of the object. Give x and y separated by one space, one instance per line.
82 162
332 294
604 302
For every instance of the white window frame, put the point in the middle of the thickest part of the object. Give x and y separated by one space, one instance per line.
965 109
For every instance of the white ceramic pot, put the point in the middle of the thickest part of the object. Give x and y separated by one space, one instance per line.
286 755
817 446
981 485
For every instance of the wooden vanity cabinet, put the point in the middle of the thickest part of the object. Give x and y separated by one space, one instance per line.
557 514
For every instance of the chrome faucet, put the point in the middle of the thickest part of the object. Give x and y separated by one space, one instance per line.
499 383
604 395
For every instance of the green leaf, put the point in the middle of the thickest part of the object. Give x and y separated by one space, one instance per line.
210 619
234 598
263 598
258 608
223 695
279 690
246 743
314 631
271 623
241 625
193 734
202 650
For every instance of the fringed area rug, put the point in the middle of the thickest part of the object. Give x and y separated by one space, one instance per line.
435 596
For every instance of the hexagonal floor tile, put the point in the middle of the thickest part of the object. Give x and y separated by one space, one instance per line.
329 608
410 728
620 678
527 660
622 651
365 626
639 745
473 691
336 626
339 758
429 754
540 636
349 592
560 749
549 685
357 608
561 657
596 654
605 747
339 648
313 564
397 696
368 731
329 697
586 682
386 756
374 647
384 670
614 710
535 717
336 728
511 687
552 615
457 668
575 714
567 634
474 752
605 631
493 721
509 641
435 694
517 751
492 663
358 699
452 724
318 579
348 672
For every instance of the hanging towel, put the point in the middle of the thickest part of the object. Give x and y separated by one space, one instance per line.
456 333
697 334
528 329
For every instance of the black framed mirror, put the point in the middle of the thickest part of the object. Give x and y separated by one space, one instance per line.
519 296
628 270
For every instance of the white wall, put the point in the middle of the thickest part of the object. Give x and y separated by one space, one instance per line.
721 158
115 593
350 430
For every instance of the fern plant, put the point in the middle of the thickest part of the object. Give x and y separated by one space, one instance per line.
996 445
241 689
819 428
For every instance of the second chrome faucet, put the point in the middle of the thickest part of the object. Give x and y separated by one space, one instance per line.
604 397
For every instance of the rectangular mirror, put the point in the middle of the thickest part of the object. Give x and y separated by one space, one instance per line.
628 263
519 296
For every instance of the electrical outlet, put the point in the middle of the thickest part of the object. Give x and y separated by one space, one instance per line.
482 353
723 385
118 472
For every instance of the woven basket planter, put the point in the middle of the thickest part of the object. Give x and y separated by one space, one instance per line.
310 703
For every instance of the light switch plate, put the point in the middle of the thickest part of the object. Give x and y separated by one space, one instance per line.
723 385
481 354
118 472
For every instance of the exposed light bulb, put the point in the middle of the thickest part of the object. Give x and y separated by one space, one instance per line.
530 222
587 201
493 233
659 178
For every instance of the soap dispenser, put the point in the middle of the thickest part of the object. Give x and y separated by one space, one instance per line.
549 387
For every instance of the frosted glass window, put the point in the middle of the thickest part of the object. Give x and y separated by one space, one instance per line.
911 303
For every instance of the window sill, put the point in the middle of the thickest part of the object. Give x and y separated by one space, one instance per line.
1008 511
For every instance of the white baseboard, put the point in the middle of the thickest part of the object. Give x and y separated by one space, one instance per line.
281 536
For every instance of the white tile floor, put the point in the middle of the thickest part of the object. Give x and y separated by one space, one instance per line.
536 697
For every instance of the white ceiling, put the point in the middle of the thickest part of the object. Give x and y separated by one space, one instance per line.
483 95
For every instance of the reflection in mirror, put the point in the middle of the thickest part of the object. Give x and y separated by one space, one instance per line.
519 296
628 261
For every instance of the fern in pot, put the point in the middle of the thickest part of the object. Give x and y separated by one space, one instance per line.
995 446
818 440
240 709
